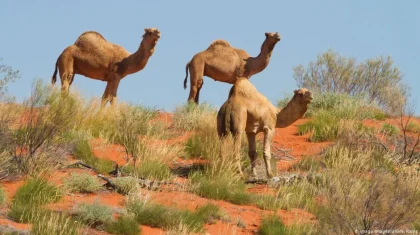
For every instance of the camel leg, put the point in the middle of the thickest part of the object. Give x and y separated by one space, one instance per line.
110 93
196 75
252 152
268 136
237 151
199 86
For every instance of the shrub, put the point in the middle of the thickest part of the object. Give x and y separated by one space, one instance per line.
48 115
190 116
125 185
2 196
376 78
153 170
378 201
160 216
54 223
94 213
390 129
124 225
308 163
272 226
83 183
33 194
84 153
413 126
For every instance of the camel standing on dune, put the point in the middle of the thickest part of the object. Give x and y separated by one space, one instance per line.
94 57
224 63
247 110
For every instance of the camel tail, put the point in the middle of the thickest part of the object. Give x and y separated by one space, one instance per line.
186 74
54 76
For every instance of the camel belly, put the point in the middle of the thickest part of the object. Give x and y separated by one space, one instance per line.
221 76
91 70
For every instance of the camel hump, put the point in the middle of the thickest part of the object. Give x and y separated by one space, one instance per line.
91 33
219 42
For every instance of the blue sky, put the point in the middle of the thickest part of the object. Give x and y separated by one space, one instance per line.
33 34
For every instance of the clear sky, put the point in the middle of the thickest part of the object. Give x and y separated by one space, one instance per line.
34 33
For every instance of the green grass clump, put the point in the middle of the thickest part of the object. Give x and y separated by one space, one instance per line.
159 216
84 153
272 226
124 225
30 197
220 189
413 127
125 185
308 163
51 223
390 129
2 196
94 213
153 170
82 183
189 116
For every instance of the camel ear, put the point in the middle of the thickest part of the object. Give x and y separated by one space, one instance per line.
146 30
266 34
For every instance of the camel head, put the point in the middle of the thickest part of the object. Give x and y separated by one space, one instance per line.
273 36
151 35
303 96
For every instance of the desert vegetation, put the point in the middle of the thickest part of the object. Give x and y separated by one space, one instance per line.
132 168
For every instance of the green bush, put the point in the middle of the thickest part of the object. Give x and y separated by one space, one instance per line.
413 126
272 226
124 225
94 213
82 183
30 197
153 170
190 116
125 185
160 216
390 129
2 196
220 189
84 153
51 223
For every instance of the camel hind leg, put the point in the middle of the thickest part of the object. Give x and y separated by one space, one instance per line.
196 80
66 67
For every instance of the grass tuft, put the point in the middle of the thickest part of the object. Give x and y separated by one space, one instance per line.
2 196
124 225
94 213
390 129
55 223
82 183
30 197
84 153
125 185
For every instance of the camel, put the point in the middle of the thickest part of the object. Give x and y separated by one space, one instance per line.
94 57
247 110
224 63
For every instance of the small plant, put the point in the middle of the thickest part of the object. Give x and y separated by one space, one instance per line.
190 116
94 213
413 126
83 183
390 129
272 226
308 163
125 185
124 225
84 153
153 170
54 223
31 196
2 196
160 216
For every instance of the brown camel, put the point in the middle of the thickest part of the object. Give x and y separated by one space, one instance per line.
94 57
224 63
247 110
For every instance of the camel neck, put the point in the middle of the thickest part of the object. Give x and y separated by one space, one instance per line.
289 114
260 62
138 60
